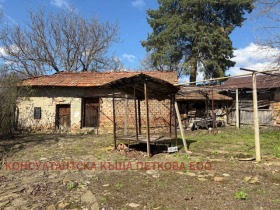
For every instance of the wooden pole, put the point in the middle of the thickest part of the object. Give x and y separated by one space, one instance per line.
139 116
125 114
256 118
213 115
147 119
114 121
181 126
170 117
135 111
237 109
175 121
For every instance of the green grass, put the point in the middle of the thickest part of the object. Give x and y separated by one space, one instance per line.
232 140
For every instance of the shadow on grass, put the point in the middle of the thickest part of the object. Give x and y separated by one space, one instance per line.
162 147
10 146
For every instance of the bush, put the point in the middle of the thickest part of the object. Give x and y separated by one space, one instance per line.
9 94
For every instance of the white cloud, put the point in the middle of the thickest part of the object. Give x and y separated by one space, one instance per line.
254 57
130 58
60 3
139 4
2 51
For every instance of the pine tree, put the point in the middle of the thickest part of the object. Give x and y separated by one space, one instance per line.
192 33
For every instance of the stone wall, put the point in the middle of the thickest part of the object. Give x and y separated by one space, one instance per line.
159 115
48 98
48 112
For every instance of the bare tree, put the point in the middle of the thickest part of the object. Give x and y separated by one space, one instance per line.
59 42
267 21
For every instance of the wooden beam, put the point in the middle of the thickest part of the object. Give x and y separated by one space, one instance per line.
181 126
147 118
237 122
135 111
213 114
170 117
125 114
114 121
256 118
175 121
139 116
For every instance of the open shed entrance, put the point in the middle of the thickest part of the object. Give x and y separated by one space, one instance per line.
63 116
144 88
91 112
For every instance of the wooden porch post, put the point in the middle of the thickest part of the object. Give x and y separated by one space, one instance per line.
256 118
175 122
139 116
114 121
170 117
147 119
237 109
135 111
213 115
125 114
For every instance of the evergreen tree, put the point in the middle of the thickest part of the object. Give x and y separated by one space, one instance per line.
192 33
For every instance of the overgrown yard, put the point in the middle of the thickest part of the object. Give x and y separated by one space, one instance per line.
83 172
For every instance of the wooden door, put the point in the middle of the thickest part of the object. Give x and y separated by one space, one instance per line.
63 117
91 112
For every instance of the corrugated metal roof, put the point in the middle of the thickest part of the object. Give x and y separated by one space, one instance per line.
196 93
263 82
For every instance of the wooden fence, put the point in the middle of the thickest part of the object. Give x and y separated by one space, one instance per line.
247 116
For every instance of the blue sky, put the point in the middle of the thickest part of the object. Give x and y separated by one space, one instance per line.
131 17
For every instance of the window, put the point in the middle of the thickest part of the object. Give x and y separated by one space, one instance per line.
37 113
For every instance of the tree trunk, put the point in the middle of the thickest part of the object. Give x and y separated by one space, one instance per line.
193 73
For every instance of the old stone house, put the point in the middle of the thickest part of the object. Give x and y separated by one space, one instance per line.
82 101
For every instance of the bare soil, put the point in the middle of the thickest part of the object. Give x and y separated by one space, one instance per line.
111 186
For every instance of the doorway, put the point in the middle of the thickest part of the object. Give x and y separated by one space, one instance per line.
91 112
63 117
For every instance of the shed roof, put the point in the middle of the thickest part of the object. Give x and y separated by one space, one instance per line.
195 93
157 88
264 81
93 79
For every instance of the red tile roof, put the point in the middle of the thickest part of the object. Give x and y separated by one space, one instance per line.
93 79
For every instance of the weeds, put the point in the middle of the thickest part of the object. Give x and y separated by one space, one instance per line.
72 185
241 195
119 186
276 151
